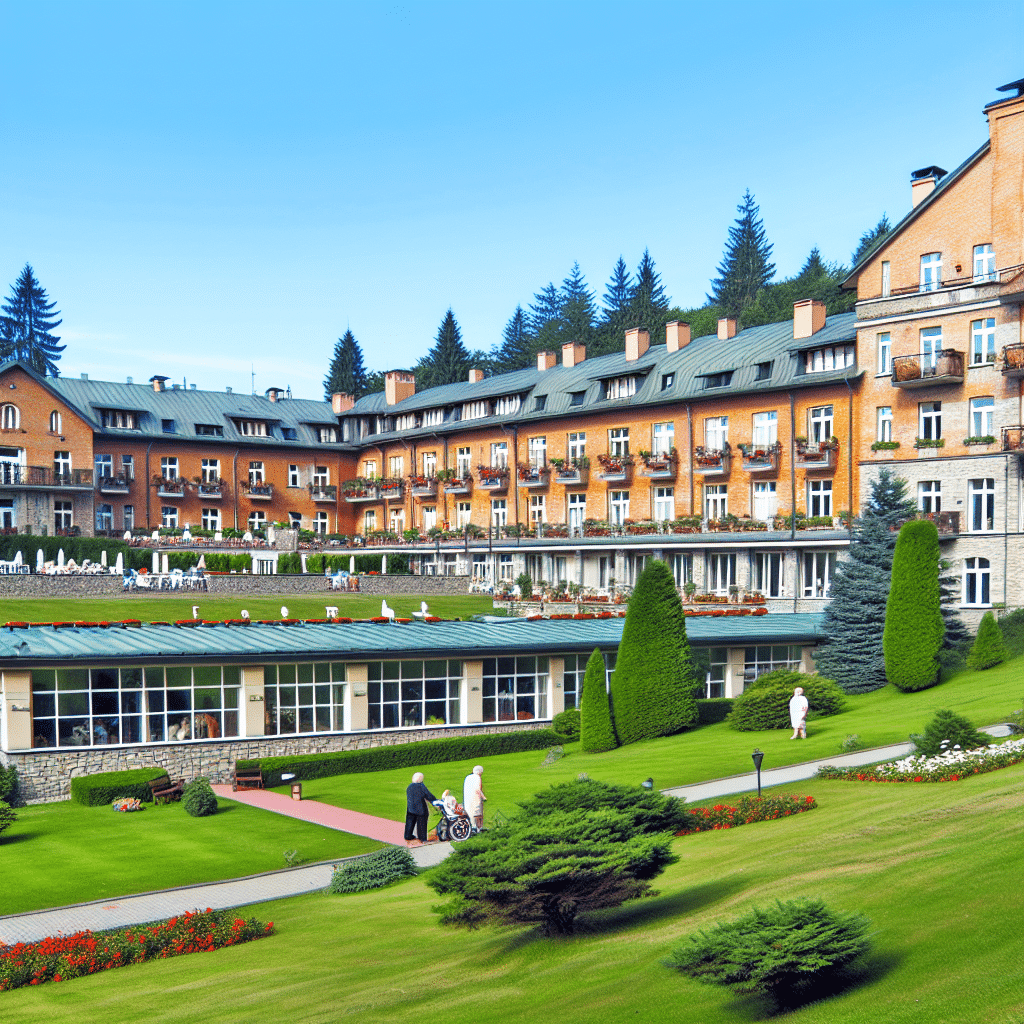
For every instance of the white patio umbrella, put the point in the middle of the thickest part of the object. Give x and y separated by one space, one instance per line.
383 565
119 564
18 559
352 564
103 559
165 566
39 560
156 561
60 559
201 564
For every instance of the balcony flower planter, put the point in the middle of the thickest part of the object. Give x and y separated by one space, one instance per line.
639 529
457 484
423 486
615 468
557 530
260 492
492 478
323 492
760 458
1013 360
532 476
817 454
712 461
661 466
596 528
359 490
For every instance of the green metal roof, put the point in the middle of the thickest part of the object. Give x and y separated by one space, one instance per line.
258 642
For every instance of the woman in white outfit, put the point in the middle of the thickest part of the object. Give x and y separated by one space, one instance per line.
798 714
473 796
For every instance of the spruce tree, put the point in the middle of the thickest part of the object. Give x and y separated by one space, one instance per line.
346 374
745 268
852 655
648 302
448 361
614 321
516 351
914 629
26 331
653 682
870 238
577 308
597 732
989 646
544 319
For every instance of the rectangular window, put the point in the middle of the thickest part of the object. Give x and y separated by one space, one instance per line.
537 452
619 507
128 518
429 464
768 577
305 698
119 419
766 502
931 271
884 353
929 421
396 467
369 520
618 441
167 426
620 387
759 660
833 357
716 432
62 465
883 417
320 522
819 568
766 429
983 411
667 380
539 401
983 341
211 518
104 517
462 461
663 439
929 496
538 508
255 474
664 504
429 517
257 520
819 497
977 581
886 279
209 430
463 512
370 468
251 428
293 475
104 465
981 495
820 420
717 380
931 347
321 477
721 573
716 501
718 667
169 517
499 512
764 371
577 446
128 466
682 568
576 512
577 397
499 455
515 689
984 263
63 517
169 468
327 435
210 471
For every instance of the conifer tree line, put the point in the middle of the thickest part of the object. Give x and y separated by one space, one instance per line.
571 311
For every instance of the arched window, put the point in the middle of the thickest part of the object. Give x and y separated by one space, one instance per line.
55 422
10 417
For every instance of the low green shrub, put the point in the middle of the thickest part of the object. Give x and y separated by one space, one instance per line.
373 871
9 784
405 755
567 723
951 729
716 709
198 798
778 949
7 816
766 706
101 789
989 648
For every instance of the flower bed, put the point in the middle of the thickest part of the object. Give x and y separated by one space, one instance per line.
748 810
127 804
61 957
950 767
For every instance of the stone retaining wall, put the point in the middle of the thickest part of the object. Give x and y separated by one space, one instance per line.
45 776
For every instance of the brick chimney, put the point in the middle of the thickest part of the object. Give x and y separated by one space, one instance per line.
808 317
677 335
923 182
475 375
727 327
274 394
573 353
638 341
398 386
342 403
545 360
159 383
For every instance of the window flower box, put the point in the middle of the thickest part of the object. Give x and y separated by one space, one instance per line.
712 461
615 468
760 458
660 465
532 476
492 478
817 454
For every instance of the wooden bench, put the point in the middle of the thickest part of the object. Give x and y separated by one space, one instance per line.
247 778
166 788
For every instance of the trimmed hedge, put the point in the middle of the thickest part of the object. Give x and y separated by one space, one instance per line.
715 709
403 755
767 707
101 789
567 723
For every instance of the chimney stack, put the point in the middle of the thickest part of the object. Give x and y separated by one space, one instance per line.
158 383
677 335
727 328
398 386
808 317
923 182
573 353
475 375
342 403
545 360
637 342
273 393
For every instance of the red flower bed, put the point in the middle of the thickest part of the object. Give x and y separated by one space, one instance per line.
748 810
61 957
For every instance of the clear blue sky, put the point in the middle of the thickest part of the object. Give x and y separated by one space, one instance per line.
206 187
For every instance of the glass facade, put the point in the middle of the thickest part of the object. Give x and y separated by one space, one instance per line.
515 689
302 698
413 693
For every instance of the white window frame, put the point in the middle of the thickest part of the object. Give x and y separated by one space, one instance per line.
293 475
977 592
320 522
765 428
982 416
618 441
765 499
983 341
931 271
716 501
819 497
577 444
721 571
929 496
929 420
886 279
169 517
463 514
931 346
537 452
664 504
168 467
321 476
984 263
429 464
499 454
210 471
618 507
821 423
884 344
499 512
716 432
663 439
818 568
770 573
256 473
981 505
211 519
10 417
463 458
538 508
883 423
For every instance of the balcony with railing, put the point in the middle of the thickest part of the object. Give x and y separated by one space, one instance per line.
928 369
170 487
712 461
13 474
532 476
659 465
947 523
927 295
324 492
761 458
492 478
453 482
1013 360
820 455
114 484
360 490
572 472
390 488
1013 438
258 492
615 469
210 490
423 486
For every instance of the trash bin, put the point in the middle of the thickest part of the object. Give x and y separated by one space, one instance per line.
296 790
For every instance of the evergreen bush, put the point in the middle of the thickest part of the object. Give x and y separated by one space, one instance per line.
198 798
7 816
567 723
372 872
597 731
914 628
716 709
652 685
951 729
764 707
989 648
100 789
1012 628
9 784
777 950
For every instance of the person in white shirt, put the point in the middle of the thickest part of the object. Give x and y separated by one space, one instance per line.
798 714
473 796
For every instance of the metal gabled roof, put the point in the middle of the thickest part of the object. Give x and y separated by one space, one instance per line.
259 642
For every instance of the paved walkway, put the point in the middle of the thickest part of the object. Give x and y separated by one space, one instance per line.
239 892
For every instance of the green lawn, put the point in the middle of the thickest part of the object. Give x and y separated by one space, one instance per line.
57 854
714 751
933 866
160 608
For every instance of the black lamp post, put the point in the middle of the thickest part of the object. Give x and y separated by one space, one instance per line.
758 756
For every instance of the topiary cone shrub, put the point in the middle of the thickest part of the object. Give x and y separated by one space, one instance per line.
989 647
914 628
198 798
597 731
652 685
765 704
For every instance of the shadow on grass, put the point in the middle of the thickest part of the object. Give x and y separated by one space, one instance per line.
18 837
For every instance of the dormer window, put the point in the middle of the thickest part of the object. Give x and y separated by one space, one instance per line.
508 405
763 372
667 381
577 397
475 410
406 422
717 380
209 430
167 426
119 419
252 428
433 417
327 435
832 357
289 433
620 387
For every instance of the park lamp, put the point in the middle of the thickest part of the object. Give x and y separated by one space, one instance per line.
757 757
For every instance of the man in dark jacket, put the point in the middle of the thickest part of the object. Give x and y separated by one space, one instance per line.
417 809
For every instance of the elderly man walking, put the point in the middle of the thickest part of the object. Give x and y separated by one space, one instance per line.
473 796
417 808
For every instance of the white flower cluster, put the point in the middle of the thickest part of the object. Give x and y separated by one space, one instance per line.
921 763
